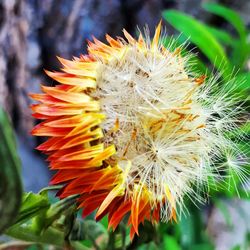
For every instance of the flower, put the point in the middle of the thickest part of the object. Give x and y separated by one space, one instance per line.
133 130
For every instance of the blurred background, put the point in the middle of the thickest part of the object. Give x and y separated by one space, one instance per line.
34 32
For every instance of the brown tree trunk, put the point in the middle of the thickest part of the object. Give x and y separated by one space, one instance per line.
13 32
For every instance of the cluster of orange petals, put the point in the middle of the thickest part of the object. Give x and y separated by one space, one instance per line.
71 121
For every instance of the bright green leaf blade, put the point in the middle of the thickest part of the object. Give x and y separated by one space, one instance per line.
32 205
241 48
238 86
203 246
201 37
10 182
243 82
88 230
235 179
191 228
187 231
243 131
240 53
237 247
228 14
221 35
245 128
244 194
44 220
170 242
51 237
149 246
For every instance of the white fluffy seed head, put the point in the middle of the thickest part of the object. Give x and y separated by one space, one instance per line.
168 123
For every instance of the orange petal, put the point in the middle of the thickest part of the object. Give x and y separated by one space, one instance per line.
68 143
40 116
41 130
130 39
141 41
113 42
44 98
66 96
109 151
156 213
77 64
84 126
66 175
91 136
70 79
54 111
83 154
155 40
137 206
119 214
46 145
78 164
68 122
134 214
103 47
81 72
117 191
92 203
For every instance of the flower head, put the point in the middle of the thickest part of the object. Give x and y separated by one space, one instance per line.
132 130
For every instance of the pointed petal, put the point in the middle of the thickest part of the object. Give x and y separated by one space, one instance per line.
84 154
54 111
70 79
155 40
113 42
117 191
41 130
130 39
119 214
66 96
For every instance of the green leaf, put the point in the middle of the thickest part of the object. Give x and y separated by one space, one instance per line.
244 147
121 242
243 131
54 212
233 182
221 35
87 230
170 243
148 246
51 237
201 37
241 48
90 231
203 246
187 231
104 221
32 205
228 14
10 182
238 86
237 247
244 194
242 82
240 53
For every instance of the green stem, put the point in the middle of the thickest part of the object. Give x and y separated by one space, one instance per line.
111 242
50 236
